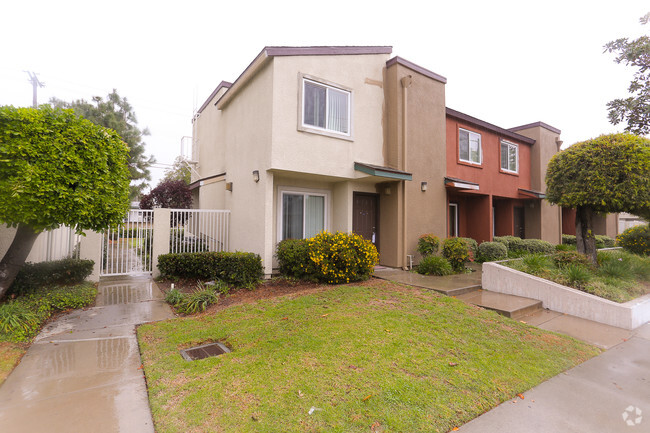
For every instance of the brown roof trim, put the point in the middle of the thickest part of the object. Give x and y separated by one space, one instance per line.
535 125
489 126
267 52
532 193
326 51
416 68
221 85
197 183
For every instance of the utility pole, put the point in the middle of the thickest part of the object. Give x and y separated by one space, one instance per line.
35 84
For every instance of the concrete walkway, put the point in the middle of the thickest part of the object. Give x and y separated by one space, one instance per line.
83 372
609 393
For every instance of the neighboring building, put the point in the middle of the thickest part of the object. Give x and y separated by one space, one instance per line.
349 139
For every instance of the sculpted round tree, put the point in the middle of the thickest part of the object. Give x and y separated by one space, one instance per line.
607 174
56 169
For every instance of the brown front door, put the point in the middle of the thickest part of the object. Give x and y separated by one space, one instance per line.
519 224
365 216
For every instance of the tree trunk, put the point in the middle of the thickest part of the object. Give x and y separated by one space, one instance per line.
15 257
585 239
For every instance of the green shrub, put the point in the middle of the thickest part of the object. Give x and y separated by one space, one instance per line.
492 251
457 252
293 258
536 263
428 244
569 239
218 287
505 240
517 245
535 246
576 275
617 268
472 246
21 318
18 321
35 276
198 300
174 297
635 240
239 269
603 241
341 257
565 247
566 258
434 265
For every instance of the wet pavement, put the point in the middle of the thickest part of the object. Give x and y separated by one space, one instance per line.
83 373
609 393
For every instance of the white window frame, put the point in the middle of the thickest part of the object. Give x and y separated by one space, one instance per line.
469 140
304 192
302 126
455 222
510 146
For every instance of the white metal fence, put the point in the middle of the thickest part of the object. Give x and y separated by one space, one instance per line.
196 230
128 249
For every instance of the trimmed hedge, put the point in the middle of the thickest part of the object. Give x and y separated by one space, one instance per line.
472 245
492 251
602 241
35 276
568 239
238 268
534 246
505 240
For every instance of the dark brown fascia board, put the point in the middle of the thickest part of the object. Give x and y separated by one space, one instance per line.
327 50
219 87
490 127
419 69
455 179
535 125
196 183
268 52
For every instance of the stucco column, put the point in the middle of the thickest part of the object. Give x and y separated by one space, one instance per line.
269 228
161 233
90 248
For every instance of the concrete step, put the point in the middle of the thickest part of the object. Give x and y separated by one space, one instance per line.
511 306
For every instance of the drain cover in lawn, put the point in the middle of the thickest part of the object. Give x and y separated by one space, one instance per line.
204 351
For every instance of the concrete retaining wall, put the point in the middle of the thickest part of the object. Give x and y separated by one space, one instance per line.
556 297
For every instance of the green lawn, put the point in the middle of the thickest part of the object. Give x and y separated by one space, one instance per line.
10 354
369 357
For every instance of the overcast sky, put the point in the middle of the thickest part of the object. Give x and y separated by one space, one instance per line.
507 62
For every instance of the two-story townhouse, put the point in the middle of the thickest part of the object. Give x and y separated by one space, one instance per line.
349 139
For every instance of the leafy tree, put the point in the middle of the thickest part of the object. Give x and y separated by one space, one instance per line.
116 113
173 194
634 110
179 171
610 173
56 169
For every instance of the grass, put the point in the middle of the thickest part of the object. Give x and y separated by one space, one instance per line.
620 277
370 357
10 354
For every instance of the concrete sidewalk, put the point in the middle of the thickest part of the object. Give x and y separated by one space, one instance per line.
609 393
83 372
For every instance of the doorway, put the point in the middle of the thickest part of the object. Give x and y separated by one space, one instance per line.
519 224
365 216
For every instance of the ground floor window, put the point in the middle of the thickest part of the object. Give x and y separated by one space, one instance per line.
453 219
302 214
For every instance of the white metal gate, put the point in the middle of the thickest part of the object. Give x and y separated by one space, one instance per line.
126 249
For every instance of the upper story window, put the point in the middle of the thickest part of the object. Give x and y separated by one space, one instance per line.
509 157
469 146
325 107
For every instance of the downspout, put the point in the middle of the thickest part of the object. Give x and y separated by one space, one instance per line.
406 83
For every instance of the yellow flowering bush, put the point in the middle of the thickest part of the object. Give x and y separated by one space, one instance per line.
635 240
341 257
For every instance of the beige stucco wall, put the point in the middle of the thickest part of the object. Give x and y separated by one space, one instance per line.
546 219
208 145
308 152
